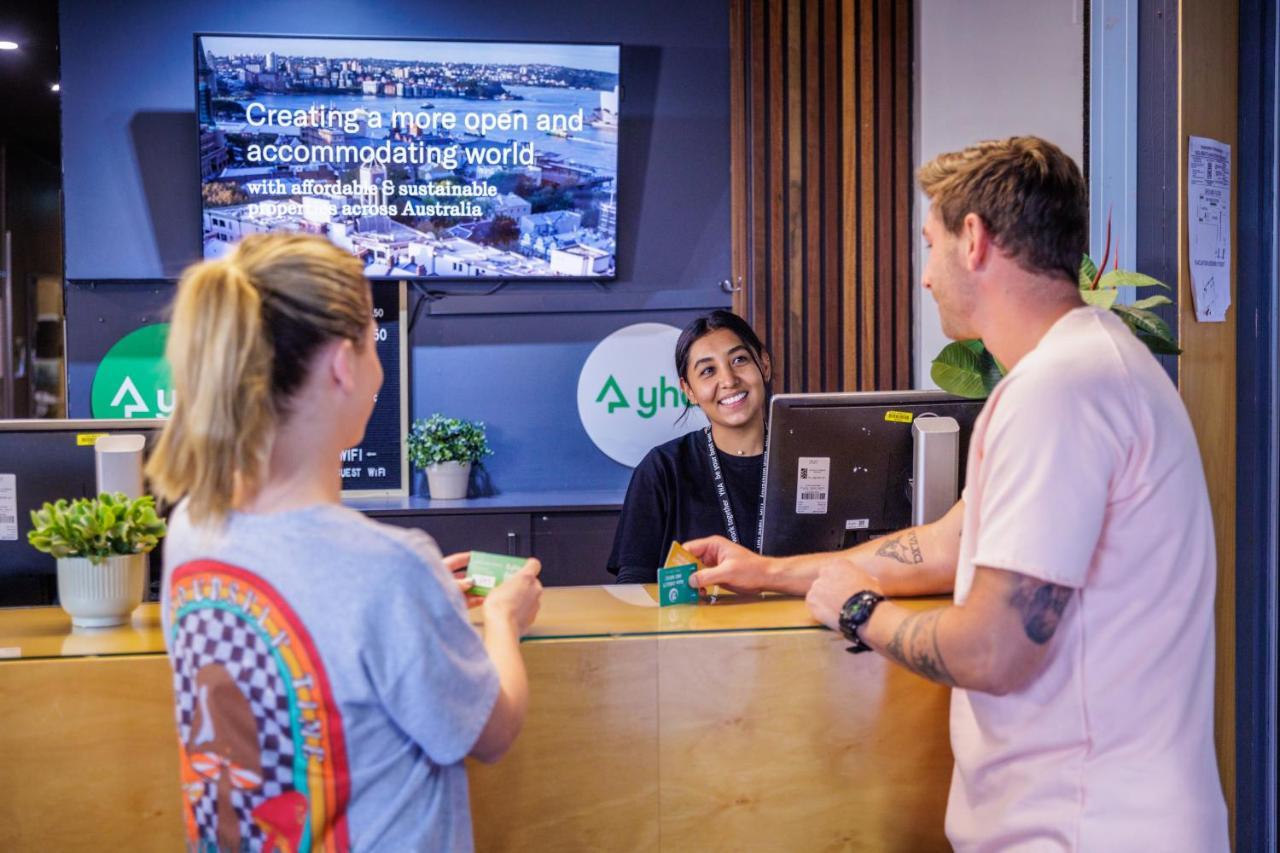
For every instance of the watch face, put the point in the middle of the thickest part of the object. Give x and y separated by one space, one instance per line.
857 610
858 613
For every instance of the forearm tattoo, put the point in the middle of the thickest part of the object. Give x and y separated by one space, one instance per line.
915 646
1040 604
904 548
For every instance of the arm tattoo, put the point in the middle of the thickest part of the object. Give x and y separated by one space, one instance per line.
1040 604
904 549
915 646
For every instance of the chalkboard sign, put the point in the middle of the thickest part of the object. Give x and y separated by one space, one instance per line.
116 333
378 465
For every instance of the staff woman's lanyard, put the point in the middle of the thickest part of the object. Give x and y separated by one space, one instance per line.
722 492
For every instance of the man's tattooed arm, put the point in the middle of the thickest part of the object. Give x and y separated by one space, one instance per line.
996 642
916 561
1040 606
915 646
905 548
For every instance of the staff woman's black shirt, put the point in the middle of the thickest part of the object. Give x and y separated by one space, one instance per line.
672 497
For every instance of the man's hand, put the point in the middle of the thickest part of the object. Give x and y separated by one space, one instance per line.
732 566
457 564
838 579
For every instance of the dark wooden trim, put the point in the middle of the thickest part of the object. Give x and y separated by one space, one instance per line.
739 182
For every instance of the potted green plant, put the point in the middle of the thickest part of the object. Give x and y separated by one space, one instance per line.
968 369
101 545
446 448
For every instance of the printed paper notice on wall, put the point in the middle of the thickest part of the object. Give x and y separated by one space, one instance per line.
813 482
8 508
1209 227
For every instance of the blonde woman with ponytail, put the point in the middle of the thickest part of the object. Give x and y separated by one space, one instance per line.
327 680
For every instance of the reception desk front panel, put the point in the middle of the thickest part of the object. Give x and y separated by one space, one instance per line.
738 725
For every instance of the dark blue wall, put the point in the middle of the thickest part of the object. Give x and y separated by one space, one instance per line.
132 199
1256 509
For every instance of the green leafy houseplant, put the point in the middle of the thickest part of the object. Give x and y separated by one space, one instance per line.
968 369
109 525
439 439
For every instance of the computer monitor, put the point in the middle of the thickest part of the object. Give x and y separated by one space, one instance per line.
839 466
42 461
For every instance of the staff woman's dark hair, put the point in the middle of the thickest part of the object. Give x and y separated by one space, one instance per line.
712 322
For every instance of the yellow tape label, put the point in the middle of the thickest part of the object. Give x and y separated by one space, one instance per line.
898 417
88 439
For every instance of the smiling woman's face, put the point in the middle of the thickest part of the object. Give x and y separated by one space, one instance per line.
723 379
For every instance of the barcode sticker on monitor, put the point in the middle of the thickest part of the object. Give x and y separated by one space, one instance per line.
8 507
813 482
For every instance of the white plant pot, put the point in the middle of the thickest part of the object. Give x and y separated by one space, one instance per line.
102 595
447 481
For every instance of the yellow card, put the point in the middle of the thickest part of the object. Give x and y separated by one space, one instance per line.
678 556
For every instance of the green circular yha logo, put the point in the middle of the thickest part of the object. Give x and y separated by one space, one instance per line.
133 378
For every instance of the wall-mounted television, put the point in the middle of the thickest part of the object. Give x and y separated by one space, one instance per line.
425 158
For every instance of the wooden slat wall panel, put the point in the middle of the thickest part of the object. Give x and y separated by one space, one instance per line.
863 195
845 210
1208 89
821 149
833 301
903 183
794 146
812 182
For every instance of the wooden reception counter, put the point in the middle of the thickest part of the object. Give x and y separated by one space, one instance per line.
736 725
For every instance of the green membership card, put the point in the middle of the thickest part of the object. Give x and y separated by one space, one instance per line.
673 585
488 570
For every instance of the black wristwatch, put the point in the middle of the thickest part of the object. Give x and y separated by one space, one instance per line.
854 614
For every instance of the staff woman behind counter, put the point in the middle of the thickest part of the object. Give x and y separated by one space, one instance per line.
725 371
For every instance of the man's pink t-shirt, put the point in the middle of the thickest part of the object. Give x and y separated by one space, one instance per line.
1084 472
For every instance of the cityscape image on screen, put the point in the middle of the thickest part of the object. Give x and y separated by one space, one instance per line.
425 159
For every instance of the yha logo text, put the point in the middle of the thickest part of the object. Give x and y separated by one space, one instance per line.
134 404
650 400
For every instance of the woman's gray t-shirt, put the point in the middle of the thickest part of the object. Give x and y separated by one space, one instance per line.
327 683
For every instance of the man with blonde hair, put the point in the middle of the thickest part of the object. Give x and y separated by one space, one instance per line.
1081 556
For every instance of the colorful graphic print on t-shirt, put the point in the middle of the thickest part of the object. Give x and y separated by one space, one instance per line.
263 760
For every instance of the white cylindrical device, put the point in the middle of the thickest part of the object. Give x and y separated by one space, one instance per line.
936 467
118 463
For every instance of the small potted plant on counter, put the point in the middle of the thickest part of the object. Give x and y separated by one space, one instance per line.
446 448
101 545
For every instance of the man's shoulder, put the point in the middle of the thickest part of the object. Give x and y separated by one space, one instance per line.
1091 354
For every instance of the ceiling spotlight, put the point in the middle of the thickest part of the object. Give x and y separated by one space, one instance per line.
56 87
8 45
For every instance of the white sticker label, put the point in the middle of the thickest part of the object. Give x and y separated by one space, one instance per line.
11 652
8 507
813 482
857 523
